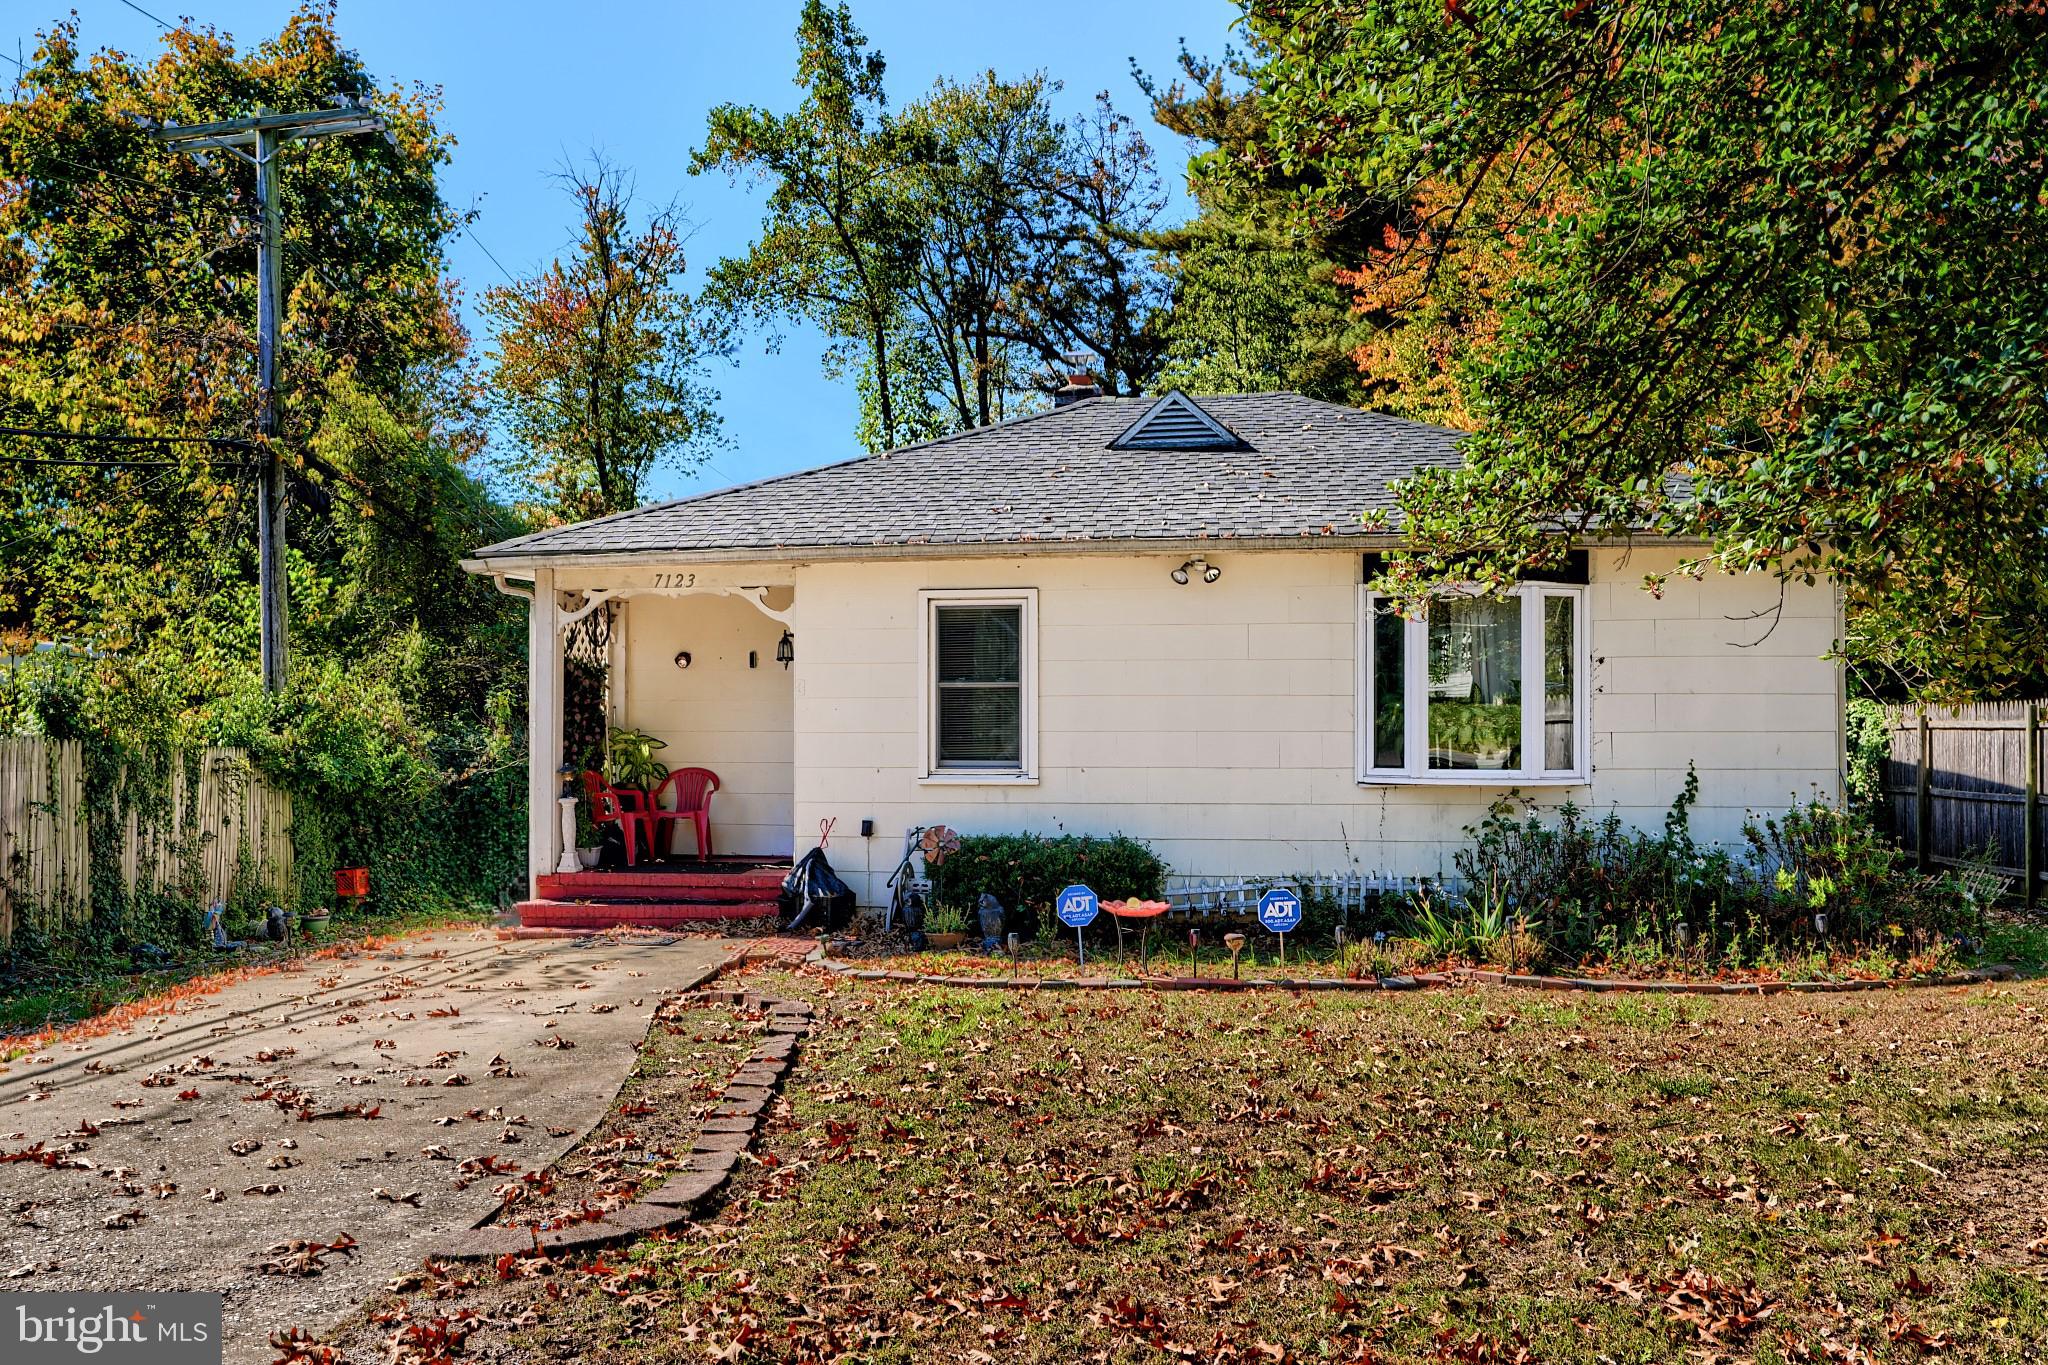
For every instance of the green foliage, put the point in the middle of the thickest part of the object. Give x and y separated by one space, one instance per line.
127 300
1868 740
1800 266
1255 307
630 759
598 364
952 252
127 304
1592 889
1026 872
946 919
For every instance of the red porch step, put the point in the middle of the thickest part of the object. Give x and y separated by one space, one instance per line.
585 915
738 882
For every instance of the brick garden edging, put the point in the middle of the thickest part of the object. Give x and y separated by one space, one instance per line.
727 1132
1419 981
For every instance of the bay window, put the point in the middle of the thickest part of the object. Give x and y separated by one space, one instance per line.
1482 690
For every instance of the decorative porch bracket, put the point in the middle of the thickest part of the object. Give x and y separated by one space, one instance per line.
593 598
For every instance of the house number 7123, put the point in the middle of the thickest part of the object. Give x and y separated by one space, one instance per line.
675 580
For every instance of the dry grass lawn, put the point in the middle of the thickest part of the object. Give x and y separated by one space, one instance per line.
1461 1175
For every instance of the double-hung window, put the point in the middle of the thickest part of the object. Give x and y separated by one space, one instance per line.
1482 690
980 665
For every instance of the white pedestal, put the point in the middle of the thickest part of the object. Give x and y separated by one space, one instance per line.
568 862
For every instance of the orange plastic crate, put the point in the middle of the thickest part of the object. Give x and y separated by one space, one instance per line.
351 881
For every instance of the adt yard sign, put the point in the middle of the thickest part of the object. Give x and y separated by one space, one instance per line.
1280 910
1078 907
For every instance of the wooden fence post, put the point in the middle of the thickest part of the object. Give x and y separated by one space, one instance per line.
1923 816
2032 859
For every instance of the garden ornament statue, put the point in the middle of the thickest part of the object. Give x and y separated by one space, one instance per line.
1234 942
214 925
990 911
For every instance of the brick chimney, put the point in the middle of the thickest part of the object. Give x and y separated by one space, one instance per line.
1081 382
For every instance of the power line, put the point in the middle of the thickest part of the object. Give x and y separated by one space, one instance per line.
509 277
101 464
147 15
124 439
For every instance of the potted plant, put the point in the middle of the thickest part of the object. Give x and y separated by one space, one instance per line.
630 760
945 927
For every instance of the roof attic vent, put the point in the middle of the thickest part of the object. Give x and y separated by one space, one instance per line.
1177 422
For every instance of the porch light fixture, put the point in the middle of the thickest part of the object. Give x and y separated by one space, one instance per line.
1210 572
785 649
682 658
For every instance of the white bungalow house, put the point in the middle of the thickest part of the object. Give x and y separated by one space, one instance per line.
1150 617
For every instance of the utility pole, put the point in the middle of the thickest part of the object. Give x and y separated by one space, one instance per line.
256 140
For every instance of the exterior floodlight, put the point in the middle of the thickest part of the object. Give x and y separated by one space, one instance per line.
1180 575
1211 574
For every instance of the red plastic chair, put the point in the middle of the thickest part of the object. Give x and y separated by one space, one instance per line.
609 804
693 788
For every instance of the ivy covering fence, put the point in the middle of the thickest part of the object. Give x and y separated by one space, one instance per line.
204 827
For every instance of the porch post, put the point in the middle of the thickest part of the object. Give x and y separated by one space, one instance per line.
543 729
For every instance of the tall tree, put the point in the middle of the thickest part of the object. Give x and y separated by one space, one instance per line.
597 367
127 307
954 252
1798 310
1092 283
1257 304
833 248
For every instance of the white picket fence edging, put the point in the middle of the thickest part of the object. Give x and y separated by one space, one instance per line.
1237 899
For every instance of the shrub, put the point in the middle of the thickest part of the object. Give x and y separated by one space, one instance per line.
1596 889
1026 872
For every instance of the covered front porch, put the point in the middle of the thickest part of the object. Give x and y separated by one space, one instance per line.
697 659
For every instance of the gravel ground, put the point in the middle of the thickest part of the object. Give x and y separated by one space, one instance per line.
379 1099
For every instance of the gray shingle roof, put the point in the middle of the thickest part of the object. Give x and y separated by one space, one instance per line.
1310 469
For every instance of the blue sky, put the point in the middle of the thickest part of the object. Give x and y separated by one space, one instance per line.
529 84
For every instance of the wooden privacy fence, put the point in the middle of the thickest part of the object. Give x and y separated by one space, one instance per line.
193 836
1964 783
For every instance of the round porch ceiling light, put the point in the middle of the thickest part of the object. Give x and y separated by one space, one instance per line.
682 658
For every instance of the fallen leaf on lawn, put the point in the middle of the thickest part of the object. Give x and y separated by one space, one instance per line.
272 1188
213 1194
127 1218
245 1146
411 1197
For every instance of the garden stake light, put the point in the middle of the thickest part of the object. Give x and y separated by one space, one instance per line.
1195 950
1234 942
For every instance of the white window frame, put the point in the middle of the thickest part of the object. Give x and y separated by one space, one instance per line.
929 601
1415 769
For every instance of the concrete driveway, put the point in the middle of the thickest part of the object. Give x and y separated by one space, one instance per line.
177 1152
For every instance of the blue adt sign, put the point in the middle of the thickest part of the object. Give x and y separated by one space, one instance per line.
1078 907
1280 910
